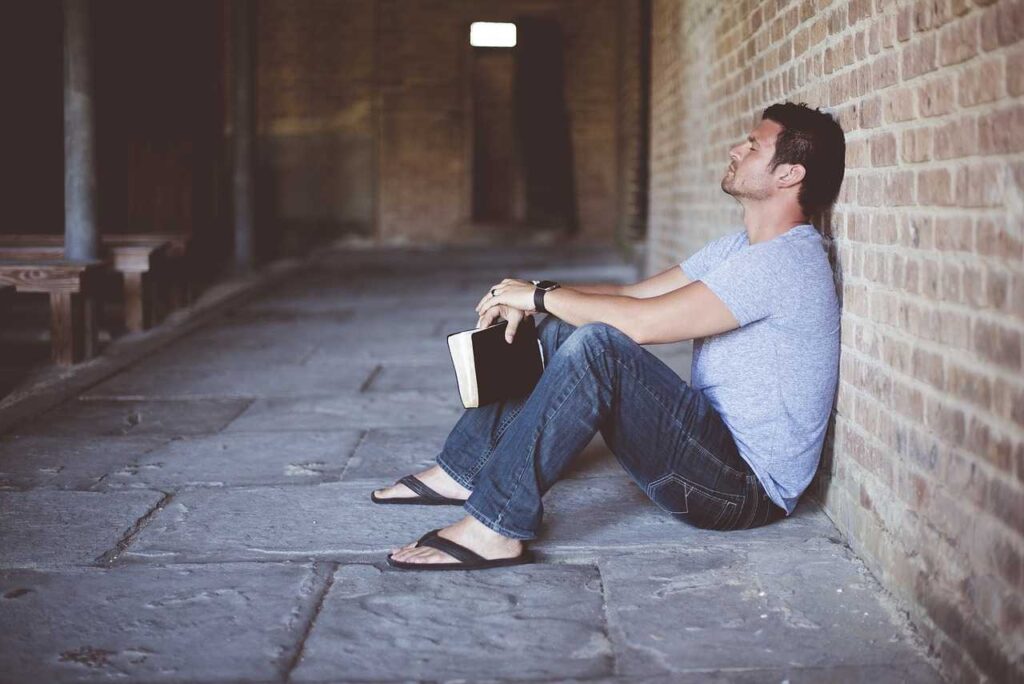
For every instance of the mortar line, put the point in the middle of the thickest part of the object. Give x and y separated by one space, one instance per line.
330 567
108 558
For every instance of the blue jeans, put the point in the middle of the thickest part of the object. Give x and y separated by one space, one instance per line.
665 434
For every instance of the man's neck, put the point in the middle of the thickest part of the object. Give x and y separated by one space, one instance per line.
764 223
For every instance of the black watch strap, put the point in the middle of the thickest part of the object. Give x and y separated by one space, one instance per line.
538 300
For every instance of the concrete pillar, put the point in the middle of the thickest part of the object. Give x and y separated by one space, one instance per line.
243 107
81 236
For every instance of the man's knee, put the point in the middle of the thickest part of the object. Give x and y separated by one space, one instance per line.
596 336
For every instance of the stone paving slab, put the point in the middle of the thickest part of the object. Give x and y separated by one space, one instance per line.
585 519
67 463
98 417
728 606
235 354
386 454
258 382
398 375
241 459
49 527
153 624
392 409
333 520
528 622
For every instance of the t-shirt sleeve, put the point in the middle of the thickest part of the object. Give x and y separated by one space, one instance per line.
708 256
749 283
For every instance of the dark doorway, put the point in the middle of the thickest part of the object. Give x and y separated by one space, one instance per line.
522 152
497 179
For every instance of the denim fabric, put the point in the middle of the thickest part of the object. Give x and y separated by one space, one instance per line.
665 434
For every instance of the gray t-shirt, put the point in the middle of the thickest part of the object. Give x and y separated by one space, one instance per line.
773 379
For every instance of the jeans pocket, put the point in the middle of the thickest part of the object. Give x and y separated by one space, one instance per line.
689 501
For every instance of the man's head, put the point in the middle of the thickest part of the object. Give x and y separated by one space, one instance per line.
794 151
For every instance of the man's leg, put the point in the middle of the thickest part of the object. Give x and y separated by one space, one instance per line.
471 442
663 432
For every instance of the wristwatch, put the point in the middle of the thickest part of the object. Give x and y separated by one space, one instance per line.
543 287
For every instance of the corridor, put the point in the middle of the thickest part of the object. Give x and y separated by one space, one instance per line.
204 515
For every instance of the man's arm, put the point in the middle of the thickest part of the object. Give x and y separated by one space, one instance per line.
666 281
685 313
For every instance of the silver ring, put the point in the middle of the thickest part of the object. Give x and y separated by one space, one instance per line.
492 292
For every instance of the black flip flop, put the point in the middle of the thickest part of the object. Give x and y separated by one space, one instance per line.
470 560
427 496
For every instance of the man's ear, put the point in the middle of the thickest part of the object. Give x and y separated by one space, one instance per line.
789 175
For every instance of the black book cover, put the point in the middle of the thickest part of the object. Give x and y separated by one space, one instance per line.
506 370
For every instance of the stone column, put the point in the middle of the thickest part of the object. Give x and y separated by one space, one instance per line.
243 107
81 237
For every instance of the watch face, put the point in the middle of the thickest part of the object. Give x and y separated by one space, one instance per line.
546 284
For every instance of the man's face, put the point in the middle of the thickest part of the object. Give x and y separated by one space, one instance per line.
748 176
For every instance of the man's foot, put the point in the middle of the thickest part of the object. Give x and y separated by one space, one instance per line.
435 478
468 532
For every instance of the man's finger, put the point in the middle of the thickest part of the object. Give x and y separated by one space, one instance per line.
510 329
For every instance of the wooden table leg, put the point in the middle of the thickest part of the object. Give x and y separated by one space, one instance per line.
134 301
62 328
73 329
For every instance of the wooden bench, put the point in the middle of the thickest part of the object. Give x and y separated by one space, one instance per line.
72 290
136 258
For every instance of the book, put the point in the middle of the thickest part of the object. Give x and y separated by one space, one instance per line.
489 369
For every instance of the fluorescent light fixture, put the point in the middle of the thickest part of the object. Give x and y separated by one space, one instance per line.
492 34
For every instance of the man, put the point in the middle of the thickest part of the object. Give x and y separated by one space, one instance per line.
733 450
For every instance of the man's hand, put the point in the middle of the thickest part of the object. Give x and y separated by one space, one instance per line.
517 294
512 315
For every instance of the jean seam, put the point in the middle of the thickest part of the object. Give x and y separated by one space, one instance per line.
452 474
495 526
480 462
533 449
689 436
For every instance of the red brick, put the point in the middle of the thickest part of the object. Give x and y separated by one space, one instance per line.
919 57
947 421
968 385
997 343
899 105
883 150
955 139
1002 131
1011 22
980 185
999 239
934 188
1015 72
870 112
885 71
936 97
928 367
1008 399
958 41
903 23
954 234
981 82
899 188
915 144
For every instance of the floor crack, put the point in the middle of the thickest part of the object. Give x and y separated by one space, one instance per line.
320 569
108 558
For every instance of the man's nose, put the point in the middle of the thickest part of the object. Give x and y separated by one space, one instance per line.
734 153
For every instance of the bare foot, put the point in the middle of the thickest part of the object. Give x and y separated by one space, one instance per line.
435 478
468 532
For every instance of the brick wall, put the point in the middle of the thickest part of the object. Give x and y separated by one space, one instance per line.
365 119
924 462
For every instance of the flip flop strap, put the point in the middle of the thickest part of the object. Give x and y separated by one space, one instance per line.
457 551
423 490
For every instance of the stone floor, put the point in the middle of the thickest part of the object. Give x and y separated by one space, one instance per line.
205 516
